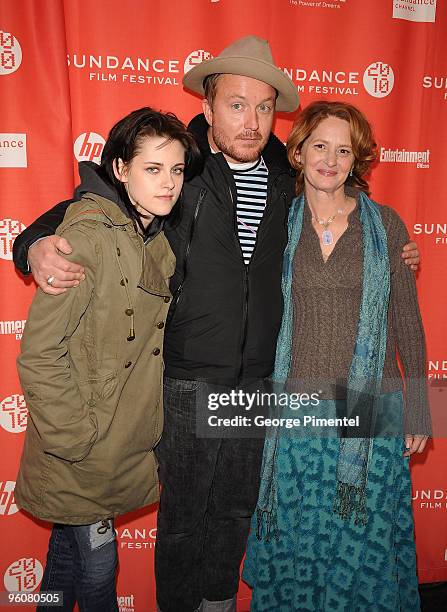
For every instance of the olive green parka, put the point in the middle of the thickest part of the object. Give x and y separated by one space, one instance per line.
91 370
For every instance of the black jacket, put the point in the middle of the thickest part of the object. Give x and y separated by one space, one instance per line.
225 316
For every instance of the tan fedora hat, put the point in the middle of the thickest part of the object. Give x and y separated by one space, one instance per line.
249 56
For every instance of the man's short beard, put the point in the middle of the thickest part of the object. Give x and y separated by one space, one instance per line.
231 149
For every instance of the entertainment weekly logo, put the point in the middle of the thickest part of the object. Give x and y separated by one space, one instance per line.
436 231
421 159
126 603
13 151
436 82
12 328
14 414
88 147
24 574
7 501
415 10
9 230
430 499
377 80
10 53
137 539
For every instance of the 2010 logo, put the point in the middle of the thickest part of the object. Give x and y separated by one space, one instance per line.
14 413
88 147
7 501
9 230
196 57
10 53
378 79
24 574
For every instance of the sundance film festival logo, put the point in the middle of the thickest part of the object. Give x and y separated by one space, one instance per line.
437 369
25 574
10 53
195 58
13 151
9 230
436 231
137 539
14 414
378 79
88 147
430 499
126 69
436 82
7 501
415 10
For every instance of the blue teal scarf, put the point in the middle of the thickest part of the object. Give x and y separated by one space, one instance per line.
365 375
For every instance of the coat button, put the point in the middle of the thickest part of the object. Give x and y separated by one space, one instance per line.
123 281
127 364
91 402
129 311
118 252
160 325
156 351
167 299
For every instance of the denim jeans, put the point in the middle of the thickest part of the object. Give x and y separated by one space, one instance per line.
82 562
209 492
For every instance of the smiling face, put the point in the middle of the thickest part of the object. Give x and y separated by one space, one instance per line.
241 117
154 177
326 156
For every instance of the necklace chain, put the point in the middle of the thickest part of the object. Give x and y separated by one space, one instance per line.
326 222
327 236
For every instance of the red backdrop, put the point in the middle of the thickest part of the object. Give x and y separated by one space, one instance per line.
69 70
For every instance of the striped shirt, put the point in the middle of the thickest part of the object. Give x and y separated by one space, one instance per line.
251 188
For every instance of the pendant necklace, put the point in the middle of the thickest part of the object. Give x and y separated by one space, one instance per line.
327 237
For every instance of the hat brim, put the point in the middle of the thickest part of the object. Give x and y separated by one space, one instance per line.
287 100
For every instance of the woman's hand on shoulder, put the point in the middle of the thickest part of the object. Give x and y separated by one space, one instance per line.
410 255
414 443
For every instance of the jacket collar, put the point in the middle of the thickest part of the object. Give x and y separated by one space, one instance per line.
93 185
97 207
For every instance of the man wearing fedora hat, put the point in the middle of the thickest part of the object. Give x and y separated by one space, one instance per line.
224 318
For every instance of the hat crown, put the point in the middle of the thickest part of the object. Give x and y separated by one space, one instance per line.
249 56
251 47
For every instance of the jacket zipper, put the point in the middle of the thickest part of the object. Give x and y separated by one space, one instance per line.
246 272
176 297
245 282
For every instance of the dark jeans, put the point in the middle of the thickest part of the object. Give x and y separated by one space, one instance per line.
209 492
82 562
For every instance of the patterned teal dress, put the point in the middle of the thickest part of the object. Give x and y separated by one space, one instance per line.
322 563
318 561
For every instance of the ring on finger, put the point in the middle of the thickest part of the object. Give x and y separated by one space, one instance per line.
50 280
